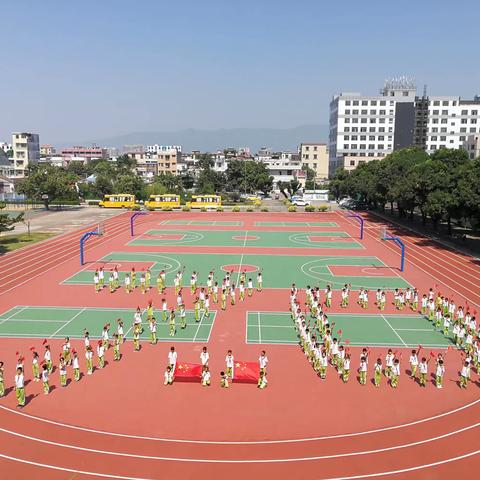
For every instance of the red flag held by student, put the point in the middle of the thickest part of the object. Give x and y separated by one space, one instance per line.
188 370
246 371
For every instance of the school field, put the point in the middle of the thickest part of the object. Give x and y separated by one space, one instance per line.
123 423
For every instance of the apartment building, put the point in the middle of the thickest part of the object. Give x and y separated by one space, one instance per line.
315 156
372 126
156 149
26 151
447 122
47 150
85 153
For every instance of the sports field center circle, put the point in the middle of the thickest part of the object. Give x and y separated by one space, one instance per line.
237 268
245 237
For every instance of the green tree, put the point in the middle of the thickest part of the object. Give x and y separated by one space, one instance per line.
131 183
6 221
49 184
310 180
248 176
338 184
125 164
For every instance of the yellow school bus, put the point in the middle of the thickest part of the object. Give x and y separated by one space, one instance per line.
166 200
119 200
205 201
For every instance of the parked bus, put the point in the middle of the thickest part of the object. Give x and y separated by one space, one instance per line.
120 200
165 200
205 201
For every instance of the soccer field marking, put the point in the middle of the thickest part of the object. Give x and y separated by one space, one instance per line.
67 323
394 331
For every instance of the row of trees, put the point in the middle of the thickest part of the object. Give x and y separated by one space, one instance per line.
442 187
102 177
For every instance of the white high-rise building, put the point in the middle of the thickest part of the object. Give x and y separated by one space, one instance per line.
370 127
26 151
163 148
447 122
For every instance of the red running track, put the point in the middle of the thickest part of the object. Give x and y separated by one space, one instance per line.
440 438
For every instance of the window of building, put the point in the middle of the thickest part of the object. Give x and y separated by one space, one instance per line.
373 103
474 112
433 138
354 146
371 129
381 146
363 146
307 148
355 112
472 130
383 112
443 130
354 129
363 120
436 103
381 129
444 112
383 103
371 146
345 146
445 103
354 120
347 102
314 149
371 138
355 103
347 129
463 138
352 163
314 156
346 137
373 120
443 138
347 112
463 130
347 120
364 102
381 138
354 137
444 120
473 121
363 138
435 112
364 112
464 112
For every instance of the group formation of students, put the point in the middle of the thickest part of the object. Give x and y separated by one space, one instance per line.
323 349
68 357
213 290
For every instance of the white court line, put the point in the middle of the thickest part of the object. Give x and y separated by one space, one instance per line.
259 442
67 323
414 330
241 258
259 329
31 320
13 314
199 324
370 475
394 331
243 461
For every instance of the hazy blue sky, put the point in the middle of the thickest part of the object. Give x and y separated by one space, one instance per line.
95 68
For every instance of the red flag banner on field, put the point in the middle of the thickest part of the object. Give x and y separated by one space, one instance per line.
188 370
246 371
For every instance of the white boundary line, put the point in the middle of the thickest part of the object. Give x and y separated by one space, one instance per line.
394 331
370 475
241 258
68 322
243 461
259 329
13 314
198 326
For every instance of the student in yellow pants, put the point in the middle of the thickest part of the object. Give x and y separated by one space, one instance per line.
173 329
20 387
116 347
89 360
46 386
62 369
76 366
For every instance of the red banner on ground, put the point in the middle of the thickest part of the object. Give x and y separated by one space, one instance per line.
188 370
246 371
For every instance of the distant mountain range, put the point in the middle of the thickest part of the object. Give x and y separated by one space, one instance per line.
210 140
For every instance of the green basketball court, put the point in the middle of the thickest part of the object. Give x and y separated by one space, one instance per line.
243 238
279 271
360 329
296 224
202 223
61 322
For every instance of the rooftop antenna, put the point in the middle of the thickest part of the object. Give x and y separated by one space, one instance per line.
425 91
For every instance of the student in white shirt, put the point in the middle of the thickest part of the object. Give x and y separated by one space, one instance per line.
229 360
168 376
205 376
204 356
20 388
263 361
172 359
